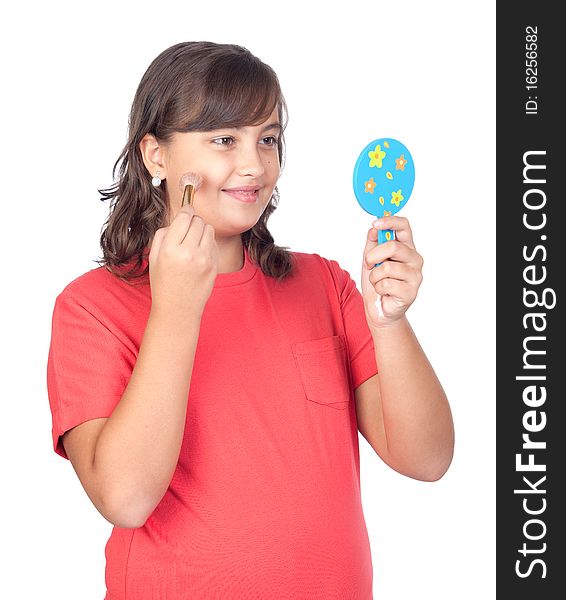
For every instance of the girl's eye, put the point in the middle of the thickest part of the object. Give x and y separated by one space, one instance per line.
227 140
269 140
224 141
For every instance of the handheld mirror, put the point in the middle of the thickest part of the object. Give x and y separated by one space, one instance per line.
384 176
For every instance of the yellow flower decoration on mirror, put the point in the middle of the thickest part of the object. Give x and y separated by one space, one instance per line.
397 197
376 157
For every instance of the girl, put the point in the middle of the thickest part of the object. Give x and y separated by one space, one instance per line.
207 385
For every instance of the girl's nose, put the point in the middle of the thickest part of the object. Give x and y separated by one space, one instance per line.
250 163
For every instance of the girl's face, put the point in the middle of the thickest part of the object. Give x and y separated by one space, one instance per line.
239 167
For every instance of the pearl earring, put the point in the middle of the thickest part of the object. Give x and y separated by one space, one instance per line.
156 181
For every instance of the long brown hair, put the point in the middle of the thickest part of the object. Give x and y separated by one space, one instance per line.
191 86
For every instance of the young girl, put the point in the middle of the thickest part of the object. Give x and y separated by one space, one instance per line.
207 385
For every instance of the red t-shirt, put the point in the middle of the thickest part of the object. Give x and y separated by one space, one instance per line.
265 501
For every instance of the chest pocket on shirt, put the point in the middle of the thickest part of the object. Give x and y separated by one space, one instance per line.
322 365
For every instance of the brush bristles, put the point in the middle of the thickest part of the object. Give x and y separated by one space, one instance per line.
192 179
189 183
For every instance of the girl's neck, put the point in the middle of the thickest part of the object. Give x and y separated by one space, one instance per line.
230 254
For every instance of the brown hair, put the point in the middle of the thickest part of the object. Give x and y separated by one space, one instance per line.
191 86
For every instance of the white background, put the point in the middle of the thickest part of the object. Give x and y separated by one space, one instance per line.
422 72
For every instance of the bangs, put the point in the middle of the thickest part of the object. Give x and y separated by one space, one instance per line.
237 92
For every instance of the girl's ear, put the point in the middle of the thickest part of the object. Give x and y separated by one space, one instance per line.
152 155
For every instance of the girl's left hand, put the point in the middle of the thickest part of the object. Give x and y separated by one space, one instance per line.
396 279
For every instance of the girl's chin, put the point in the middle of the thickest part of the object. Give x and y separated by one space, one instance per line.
232 229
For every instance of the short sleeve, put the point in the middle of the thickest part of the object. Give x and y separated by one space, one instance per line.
358 336
88 367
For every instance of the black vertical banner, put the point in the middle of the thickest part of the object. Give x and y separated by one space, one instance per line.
531 266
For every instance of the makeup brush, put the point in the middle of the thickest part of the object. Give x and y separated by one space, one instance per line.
189 183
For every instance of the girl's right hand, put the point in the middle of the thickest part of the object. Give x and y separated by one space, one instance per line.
183 264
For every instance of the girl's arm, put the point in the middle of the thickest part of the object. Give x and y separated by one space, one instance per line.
403 411
125 463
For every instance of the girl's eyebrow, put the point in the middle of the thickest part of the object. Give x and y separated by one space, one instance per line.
277 126
272 126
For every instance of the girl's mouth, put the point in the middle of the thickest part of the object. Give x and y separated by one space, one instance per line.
247 195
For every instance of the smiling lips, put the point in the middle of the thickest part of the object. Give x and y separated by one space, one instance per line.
245 193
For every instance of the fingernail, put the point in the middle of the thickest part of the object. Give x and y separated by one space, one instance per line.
377 222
